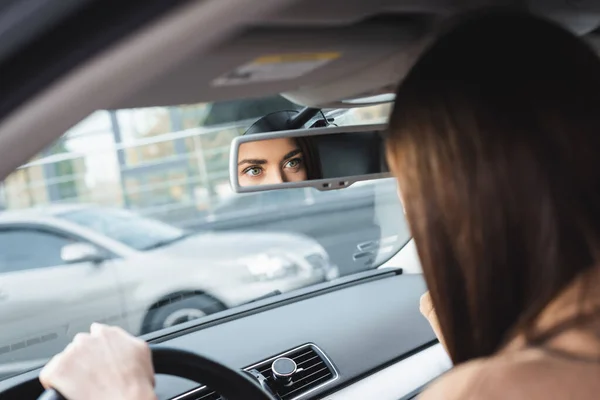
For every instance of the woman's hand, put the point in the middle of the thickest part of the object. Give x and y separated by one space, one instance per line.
426 308
106 363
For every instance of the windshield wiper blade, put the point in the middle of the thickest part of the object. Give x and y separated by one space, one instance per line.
166 242
265 296
349 279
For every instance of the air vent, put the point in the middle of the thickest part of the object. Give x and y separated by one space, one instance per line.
314 370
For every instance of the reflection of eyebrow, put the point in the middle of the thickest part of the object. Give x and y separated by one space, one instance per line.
248 161
292 154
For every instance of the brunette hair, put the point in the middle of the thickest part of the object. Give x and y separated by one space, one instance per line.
495 142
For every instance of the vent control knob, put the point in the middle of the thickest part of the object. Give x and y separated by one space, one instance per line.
283 370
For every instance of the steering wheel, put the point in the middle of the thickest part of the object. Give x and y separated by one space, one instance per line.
229 383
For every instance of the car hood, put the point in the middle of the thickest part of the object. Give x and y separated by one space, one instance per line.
222 246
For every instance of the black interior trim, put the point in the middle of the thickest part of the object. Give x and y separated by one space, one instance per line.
80 35
23 20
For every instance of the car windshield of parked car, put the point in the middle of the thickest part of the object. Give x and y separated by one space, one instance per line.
150 188
126 227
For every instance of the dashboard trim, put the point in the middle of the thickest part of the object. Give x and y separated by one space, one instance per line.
400 379
190 393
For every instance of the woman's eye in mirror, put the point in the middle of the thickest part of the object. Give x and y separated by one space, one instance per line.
273 161
289 158
294 164
253 171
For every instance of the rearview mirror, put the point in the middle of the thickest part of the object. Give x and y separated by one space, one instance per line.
323 158
81 252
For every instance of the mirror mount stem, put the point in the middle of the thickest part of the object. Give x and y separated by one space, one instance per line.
303 116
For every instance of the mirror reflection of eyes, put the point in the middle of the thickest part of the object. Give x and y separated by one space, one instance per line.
337 157
253 171
271 161
294 163
257 169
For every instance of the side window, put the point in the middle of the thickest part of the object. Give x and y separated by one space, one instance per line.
23 249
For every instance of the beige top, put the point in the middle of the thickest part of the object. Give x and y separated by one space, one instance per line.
565 367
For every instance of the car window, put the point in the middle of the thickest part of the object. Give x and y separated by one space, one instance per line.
156 181
26 249
125 227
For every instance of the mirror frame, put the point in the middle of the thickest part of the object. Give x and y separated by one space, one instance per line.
319 184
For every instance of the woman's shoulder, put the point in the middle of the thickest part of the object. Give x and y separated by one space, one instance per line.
496 377
458 383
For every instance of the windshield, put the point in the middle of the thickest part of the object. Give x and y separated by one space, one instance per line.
125 227
142 179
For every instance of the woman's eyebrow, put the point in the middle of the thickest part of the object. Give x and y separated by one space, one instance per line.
291 154
252 161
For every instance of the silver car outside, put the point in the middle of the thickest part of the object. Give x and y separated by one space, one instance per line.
103 280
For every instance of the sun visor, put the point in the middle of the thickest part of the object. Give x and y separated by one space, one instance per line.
308 64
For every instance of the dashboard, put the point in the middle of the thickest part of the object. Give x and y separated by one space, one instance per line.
365 339
371 333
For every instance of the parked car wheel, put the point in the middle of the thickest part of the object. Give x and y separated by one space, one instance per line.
181 310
